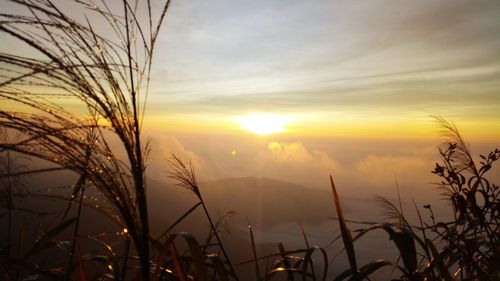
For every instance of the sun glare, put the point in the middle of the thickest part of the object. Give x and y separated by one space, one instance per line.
263 123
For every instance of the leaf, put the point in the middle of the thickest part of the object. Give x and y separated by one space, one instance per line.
179 270
42 242
169 246
406 246
32 277
109 262
219 268
370 268
343 275
65 246
163 251
285 260
309 260
423 245
78 186
404 240
107 246
364 271
82 272
179 220
289 271
47 274
298 251
437 260
197 256
346 233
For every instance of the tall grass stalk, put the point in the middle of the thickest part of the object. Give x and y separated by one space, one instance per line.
75 235
186 177
9 198
106 68
254 252
126 253
11 169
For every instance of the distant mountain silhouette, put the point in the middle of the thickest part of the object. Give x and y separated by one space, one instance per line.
263 202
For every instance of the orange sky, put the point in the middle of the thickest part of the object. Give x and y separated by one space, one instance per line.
327 84
336 67
331 68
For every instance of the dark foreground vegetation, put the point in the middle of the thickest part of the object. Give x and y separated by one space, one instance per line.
103 62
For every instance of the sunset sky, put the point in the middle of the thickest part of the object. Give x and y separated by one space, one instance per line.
354 82
294 90
374 68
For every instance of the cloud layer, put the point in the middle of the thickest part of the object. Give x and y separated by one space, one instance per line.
361 168
384 58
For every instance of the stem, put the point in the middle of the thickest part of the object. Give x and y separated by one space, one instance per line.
218 238
254 251
75 234
137 167
127 249
9 191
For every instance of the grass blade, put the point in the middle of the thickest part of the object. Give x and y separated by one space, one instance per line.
219 268
197 256
254 251
179 220
179 270
364 271
82 272
308 259
286 262
346 233
370 268
163 251
42 242
78 186
438 261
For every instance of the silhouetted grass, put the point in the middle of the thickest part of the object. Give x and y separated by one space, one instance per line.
109 76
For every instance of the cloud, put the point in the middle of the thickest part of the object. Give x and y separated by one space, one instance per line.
292 152
382 170
163 147
367 166
404 58
371 174
295 163
360 167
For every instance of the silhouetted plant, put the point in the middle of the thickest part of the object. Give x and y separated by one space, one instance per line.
107 70
184 175
472 239
466 247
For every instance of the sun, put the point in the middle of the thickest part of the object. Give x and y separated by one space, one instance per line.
263 123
